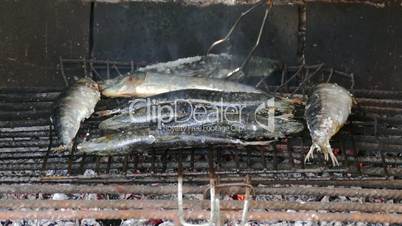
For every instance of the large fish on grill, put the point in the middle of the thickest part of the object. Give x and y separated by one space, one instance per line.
119 143
205 97
215 66
145 84
184 116
251 126
73 106
143 139
327 110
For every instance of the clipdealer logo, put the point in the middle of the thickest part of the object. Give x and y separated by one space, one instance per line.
187 113
268 108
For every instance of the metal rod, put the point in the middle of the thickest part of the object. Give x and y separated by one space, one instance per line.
257 42
169 189
302 30
201 204
171 214
180 211
246 204
227 36
63 75
50 144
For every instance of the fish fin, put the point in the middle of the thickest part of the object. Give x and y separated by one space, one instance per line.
61 148
328 154
354 101
285 117
104 113
310 153
256 143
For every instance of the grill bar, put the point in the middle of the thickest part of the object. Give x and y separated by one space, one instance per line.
199 205
195 214
374 152
163 190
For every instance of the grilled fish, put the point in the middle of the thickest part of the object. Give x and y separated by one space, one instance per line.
251 131
145 84
326 112
214 66
141 113
250 128
249 124
205 97
75 105
124 142
245 129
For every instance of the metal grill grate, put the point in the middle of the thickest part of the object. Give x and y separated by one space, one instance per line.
368 145
369 150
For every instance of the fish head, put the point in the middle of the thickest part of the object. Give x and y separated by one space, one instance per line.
99 145
122 86
88 83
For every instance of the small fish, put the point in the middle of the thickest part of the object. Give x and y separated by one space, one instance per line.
75 105
146 84
326 112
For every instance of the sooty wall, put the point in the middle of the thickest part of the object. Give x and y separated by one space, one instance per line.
355 38
33 34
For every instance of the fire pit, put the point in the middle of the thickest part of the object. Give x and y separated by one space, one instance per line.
226 184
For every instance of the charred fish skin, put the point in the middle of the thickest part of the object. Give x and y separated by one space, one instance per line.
246 126
247 123
220 98
206 97
192 133
124 142
141 84
327 110
115 143
182 113
73 106
214 66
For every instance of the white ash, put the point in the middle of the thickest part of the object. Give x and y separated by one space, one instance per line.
167 223
59 196
90 222
50 173
135 222
90 172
